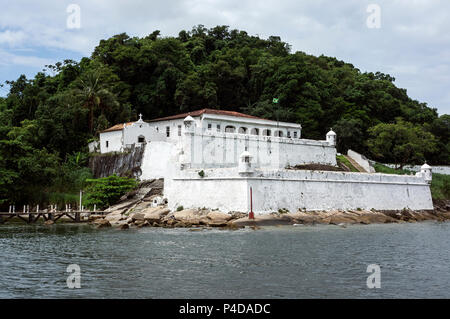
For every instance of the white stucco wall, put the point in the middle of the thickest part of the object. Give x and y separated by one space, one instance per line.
225 195
293 190
114 139
205 149
160 160
161 127
133 132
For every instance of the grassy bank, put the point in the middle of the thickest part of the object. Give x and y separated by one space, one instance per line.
341 159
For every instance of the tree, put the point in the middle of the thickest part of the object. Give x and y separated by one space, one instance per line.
401 143
94 93
350 135
106 191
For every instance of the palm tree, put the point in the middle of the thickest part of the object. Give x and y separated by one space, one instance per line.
94 94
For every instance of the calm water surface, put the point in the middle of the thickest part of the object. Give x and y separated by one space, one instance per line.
278 262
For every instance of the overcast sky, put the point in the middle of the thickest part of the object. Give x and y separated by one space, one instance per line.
412 43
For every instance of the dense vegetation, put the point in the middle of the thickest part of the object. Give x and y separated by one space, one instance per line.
103 192
46 121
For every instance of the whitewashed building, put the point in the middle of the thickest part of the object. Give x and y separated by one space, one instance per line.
211 158
121 136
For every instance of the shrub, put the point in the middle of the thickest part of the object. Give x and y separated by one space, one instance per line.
180 208
106 191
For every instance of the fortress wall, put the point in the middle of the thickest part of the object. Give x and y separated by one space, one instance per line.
213 150
293 190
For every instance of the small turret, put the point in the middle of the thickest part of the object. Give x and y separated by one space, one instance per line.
189 123
426 171
245 163
331 138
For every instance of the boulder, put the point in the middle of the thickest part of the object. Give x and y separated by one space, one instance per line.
264 220
140 224
304 218
124 226
342 218
188 215
101 223
217 224
118 223
137 216
122 206
114 217
218 217
155 214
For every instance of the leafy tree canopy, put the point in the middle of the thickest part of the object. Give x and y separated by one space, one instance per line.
52 116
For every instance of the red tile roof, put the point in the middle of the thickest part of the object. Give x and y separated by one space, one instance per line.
117 127
206 111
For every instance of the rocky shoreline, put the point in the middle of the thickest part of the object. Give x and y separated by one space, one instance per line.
139 209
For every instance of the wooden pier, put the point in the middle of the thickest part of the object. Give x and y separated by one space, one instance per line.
32 217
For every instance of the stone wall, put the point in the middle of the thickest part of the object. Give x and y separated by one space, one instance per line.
122 164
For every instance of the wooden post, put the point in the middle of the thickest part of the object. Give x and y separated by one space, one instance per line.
81 198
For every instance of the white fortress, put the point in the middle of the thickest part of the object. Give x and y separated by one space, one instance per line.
216 159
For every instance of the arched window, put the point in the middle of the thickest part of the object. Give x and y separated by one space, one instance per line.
243 130
254 131
267 132
141 139
230 129
279 133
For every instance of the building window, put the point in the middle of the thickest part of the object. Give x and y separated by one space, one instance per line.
254 131
295 134
267 132
242 130
230 129
107 143
157 129
209 126
289 134
218 127
141 139
279 133
179 130
168 131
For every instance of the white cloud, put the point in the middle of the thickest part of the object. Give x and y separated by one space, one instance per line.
413 43
7 58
